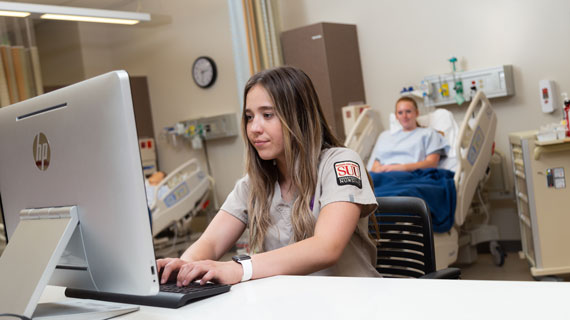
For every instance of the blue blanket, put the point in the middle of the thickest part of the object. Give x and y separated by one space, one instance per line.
435 186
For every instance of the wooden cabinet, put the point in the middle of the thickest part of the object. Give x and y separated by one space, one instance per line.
328 53
141 105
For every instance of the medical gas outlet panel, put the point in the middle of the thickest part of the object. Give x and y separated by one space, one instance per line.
443 89
215 127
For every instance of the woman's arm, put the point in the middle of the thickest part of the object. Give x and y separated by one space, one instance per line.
220 235
336 223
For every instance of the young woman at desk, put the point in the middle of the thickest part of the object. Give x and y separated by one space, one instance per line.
410 148
305 198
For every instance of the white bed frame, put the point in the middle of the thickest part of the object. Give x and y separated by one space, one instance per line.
189 193
474 147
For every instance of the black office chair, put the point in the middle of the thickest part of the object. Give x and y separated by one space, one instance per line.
401 228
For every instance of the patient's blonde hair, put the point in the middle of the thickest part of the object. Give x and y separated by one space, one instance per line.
409 99
305 134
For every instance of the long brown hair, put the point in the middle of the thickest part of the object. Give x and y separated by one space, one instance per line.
305 134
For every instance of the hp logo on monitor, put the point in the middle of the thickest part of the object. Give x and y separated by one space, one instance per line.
42 151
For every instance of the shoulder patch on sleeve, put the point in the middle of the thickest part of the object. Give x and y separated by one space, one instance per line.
348 172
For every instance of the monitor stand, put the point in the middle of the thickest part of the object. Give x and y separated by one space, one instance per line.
29 260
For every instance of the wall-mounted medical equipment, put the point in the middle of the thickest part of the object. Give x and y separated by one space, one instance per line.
421 91
215 127
547 96
202 129
445 88
541 170
457 83
148 155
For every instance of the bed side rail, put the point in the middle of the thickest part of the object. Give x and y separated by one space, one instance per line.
187 195
363 135
191 165
474 150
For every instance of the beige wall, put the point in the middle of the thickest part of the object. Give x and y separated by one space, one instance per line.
164 52
60 56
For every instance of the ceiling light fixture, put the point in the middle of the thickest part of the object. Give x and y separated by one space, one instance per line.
18 14
17 9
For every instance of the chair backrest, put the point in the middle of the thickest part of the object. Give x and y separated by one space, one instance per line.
402 230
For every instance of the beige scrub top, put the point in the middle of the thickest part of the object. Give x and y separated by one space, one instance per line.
341 177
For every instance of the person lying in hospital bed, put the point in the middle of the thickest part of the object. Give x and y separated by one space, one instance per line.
411 148
406 162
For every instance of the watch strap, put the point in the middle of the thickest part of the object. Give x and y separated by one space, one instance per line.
247 269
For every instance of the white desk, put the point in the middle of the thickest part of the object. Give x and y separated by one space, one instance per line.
288 297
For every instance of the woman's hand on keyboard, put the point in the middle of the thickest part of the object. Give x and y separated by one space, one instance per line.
168 268
228 272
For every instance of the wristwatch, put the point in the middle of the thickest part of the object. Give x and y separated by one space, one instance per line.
245 262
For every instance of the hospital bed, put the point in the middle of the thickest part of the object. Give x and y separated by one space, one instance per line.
174 202
472 147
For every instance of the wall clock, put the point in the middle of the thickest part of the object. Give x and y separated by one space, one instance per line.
204 72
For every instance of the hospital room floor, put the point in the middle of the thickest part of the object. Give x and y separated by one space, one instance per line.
484 268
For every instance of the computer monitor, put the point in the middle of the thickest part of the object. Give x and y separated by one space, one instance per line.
72 195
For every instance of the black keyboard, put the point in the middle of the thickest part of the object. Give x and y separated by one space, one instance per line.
169 296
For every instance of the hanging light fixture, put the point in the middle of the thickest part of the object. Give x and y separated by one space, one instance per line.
17 9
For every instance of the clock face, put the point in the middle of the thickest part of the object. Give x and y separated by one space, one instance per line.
204 72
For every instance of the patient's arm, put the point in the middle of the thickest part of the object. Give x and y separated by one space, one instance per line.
376 166
431 161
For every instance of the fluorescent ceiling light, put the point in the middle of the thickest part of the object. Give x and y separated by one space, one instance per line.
74 13
14 14
52 16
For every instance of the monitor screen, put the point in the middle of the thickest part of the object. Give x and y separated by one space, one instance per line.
78 146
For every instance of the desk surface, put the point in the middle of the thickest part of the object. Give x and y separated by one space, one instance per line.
293 297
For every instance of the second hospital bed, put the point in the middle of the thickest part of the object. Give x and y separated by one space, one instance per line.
174 202
472 147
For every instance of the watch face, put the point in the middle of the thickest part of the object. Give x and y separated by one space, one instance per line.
241 257
204 72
